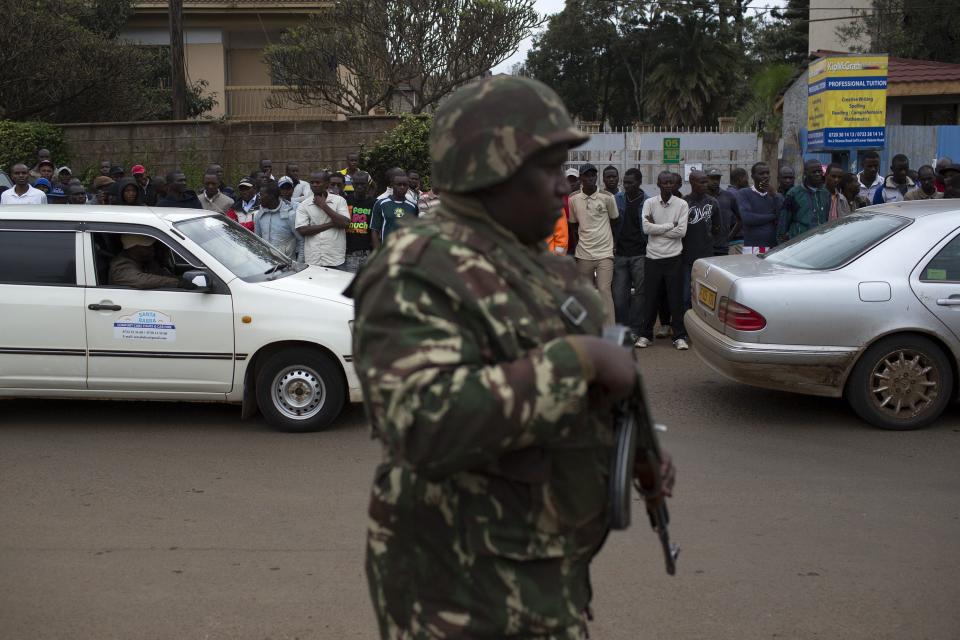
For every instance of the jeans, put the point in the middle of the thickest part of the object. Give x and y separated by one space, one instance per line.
627 275
687 277
665 274
600 273
356 259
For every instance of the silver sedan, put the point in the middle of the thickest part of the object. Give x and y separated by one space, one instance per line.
866 307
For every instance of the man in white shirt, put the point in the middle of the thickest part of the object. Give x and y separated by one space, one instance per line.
665 223
592 210
21 192
322 222
870 178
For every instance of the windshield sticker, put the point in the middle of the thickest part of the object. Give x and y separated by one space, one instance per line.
151 326
936 274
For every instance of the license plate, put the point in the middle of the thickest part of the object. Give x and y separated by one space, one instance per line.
707 297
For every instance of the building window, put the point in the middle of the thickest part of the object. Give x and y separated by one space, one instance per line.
928 114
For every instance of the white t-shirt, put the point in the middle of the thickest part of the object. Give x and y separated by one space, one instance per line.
30 196
329 248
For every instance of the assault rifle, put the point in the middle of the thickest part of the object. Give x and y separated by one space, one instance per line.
636 435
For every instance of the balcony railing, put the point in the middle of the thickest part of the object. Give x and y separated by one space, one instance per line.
250 103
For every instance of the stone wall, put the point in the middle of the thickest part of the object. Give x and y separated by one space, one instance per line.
238 146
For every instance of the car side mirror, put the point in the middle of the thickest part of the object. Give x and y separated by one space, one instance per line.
197 280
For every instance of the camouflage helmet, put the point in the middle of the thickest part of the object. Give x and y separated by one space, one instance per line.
485 131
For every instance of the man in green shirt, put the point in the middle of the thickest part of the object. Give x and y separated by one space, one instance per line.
806 205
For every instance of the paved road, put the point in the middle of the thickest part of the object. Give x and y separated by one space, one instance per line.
132 520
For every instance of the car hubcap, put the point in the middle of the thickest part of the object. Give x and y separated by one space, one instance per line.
298 392
904 383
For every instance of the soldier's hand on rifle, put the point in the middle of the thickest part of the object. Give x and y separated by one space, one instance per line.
613 366
647 481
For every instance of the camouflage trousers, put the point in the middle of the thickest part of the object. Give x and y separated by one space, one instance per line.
402 616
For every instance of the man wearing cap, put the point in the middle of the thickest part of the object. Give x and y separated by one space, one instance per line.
592 210
942 163
287 186
101 190
148 193
211 198
487 383
64 175
137 265
249 198
44 157
275 222
43 185
22 192
45 170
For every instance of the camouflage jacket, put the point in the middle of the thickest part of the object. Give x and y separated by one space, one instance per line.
491 499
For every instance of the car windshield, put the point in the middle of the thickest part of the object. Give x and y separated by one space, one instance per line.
836 243
243 253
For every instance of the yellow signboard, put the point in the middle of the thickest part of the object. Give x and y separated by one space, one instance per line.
847 102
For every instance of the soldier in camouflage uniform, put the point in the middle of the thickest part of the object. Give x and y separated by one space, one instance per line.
488 385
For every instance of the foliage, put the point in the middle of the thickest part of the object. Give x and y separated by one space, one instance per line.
622 62
766 87
907 29
574 56
20 141
65 62
396 54
693 74
406 146
785 38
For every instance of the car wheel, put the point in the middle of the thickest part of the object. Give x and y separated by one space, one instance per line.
300 390
901 383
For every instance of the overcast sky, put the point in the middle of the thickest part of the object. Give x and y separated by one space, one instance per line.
548 7
543 7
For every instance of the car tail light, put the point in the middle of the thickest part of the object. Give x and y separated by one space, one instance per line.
736 316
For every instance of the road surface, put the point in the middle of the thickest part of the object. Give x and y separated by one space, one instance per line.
796 520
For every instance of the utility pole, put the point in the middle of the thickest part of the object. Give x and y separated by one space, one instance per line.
178 79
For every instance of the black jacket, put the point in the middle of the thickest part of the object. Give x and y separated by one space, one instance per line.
119 186
187 200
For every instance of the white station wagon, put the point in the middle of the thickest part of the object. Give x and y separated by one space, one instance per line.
253 328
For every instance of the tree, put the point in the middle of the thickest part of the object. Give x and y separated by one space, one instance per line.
766 86
363 54
918 29
406 146
693 81
601 56
785 38
574 56
64 62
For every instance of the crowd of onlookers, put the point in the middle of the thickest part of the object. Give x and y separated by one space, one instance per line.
334 218
639 248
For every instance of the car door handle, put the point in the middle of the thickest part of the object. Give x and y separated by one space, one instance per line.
949 302
103 307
